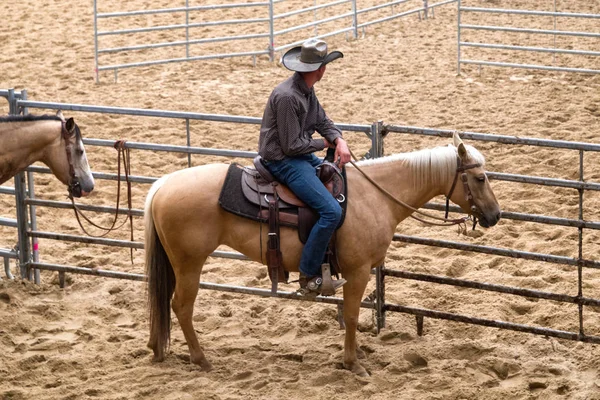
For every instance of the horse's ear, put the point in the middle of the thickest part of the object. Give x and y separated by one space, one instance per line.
70 125
456 139
59 114
462 151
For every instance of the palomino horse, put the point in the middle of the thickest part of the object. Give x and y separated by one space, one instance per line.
50 139
184 224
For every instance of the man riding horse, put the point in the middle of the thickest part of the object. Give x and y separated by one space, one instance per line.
292 115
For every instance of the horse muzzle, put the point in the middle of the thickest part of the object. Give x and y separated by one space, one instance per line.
76 190
487 220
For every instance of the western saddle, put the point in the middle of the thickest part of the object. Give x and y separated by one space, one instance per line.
277 204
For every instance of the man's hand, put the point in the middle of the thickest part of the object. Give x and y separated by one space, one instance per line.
342 153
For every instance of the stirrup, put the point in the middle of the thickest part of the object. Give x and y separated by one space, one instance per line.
325 286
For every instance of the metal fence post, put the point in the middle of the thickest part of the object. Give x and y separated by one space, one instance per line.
355 19
376 139
580 255
271 32
32 209
458 36
96 39
20 196
380 297
187 29
377 151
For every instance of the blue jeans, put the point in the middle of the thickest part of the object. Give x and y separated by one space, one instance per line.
298 173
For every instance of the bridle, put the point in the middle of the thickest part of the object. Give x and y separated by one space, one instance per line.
460 170
73 186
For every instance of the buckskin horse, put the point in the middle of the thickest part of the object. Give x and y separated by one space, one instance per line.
184 224
52 140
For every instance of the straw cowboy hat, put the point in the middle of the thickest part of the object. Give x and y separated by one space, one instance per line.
309 57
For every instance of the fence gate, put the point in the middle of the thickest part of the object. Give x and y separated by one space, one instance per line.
568 50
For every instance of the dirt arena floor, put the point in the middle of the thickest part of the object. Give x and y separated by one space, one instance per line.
88 340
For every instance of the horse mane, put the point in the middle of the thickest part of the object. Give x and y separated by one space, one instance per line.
28 118
429 165
33 118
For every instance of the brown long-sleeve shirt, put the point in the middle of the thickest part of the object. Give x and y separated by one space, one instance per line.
292 115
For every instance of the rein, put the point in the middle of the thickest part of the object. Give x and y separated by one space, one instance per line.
123 157
445 220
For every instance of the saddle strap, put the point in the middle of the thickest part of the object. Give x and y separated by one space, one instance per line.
274 258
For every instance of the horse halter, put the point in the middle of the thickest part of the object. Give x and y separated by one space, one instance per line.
460 169
73 186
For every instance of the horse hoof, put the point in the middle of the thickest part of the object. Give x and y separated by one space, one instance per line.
158 358
206 366
357 369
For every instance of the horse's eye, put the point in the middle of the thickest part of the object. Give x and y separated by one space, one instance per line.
481 178
79 152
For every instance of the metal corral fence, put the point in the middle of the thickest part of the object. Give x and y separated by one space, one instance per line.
376 131
540 32
352 19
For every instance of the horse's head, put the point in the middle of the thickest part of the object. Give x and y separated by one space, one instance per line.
472 190
69 162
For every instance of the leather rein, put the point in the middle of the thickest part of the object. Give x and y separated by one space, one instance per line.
74 188
460 170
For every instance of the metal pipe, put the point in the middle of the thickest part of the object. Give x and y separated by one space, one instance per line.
8 222
6 253
497 251
307 9
536 294
271 46
202 285
311 24
160 114
96 40
485 137
527 48
188 140
580 248
183 42
530 12
187 29
458 33
9 274
527 30
119 243
7 190
174 60
492 323
531 66
354 19
403 14
180 9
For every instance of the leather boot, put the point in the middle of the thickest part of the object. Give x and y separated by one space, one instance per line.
313 285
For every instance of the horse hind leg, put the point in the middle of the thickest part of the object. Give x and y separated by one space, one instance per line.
186 290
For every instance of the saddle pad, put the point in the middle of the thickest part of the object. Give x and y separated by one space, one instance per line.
232 198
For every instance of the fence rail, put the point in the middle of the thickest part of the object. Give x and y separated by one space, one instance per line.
524 49
376 131
270 32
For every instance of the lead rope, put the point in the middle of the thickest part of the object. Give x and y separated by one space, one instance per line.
446 221
123 156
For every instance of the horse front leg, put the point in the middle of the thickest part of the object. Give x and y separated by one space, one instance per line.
186 290
353 292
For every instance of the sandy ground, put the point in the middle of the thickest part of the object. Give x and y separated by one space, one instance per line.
88 340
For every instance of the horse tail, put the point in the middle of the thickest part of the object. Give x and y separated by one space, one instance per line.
161 280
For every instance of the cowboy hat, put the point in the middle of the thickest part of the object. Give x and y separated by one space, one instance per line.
309 57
